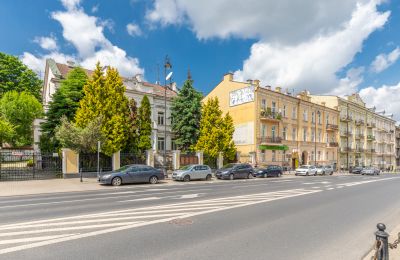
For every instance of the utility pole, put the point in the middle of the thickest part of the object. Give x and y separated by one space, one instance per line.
347 146
167 65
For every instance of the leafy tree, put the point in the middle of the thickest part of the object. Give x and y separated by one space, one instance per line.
186 112
14 75
144 122
216 131
133 132
80 140
65 102
104 95
20 109
7 131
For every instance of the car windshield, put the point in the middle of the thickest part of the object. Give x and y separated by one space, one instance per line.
229 165
303 167
320 167
186 167
123 168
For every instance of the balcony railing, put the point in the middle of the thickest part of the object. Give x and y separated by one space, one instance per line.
370 138
370 150
346 149
270 114
346 133
360 136
270 140
346 118
360 122
332 127
359 150
333 144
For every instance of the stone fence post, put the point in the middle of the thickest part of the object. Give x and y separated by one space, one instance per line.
116 161
70 163
176 159
220 160
200 158
150 158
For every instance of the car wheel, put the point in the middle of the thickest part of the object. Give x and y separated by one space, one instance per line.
231 177
117 181
208 178
249 176
323 173
280 174
186 178
265 175
153 180
306 173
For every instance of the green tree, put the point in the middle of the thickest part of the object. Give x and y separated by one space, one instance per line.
133 132
104 95
65 102
216 131
144 123
80 140
7 131
20 109
186 114
14 75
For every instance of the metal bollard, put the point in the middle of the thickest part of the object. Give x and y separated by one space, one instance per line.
80 173
382 236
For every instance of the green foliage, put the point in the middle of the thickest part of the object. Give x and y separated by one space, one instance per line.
20 109
65 102
104 95
80 140
14 75
7 131
133 132
216 131
144 122
186 112
30 163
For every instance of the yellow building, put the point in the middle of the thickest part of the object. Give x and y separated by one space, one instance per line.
272 127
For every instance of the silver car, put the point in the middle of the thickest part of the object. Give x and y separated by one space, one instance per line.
192 172
324 170
370 171
306 170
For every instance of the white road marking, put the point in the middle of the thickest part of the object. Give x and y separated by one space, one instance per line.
31 239
330 188
189 196
142 199
315 187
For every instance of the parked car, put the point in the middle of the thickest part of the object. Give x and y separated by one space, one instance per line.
324 170
306 170
356 170
192 172
235 171
268 171
135 173
370 171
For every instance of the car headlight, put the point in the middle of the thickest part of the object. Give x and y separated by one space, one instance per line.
260 171
106 176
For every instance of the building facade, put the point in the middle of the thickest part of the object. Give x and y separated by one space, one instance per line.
136 88
366 137
397 147
273 127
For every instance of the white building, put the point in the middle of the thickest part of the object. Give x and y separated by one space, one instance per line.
136 88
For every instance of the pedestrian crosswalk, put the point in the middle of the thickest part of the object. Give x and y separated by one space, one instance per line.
26 235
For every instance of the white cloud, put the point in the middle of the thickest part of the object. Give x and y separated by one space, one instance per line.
95 8
86 34
348 84
133 29
384 61
383 98
47 43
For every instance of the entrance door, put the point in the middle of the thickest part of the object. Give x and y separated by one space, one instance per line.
304 158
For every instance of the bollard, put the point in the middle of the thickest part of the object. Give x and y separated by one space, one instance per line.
80 173
382 236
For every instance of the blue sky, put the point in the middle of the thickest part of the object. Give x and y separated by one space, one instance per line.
325 47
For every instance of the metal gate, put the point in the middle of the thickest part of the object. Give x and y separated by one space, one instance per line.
131 158
21 165
88 162
188 158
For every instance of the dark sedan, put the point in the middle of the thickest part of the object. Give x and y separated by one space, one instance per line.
132 174
235 171
356 170
269 171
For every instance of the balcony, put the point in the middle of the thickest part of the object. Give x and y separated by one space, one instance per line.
370 150
270 140
346 133
346 118
346 150
270 115
370 138
360 136
332 144
331 127
371 125
359 150
359 122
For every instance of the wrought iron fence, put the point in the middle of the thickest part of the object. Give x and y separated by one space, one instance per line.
132 158
88 162
28 165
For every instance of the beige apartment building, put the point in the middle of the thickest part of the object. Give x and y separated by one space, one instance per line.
366 136
275 127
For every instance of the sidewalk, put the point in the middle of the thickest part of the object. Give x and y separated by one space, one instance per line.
394 254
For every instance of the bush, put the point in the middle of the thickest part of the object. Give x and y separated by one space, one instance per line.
30 163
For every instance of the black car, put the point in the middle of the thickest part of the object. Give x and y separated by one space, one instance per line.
135 173
269 171
356 170
235 171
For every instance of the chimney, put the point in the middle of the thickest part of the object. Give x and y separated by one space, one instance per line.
278 89
228 76
173 86
139 77
70 63
256 82
249 81
268 87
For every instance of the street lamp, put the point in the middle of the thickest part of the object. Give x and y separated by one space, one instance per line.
167 66
315 136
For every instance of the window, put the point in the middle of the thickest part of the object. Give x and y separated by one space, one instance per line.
294 112
312 156
173 145
263 104
273 109
312 135
263 130
161 143
319 118
160 118
284 111
305 116
273 131
273 155
284 133
327 118
262 156
327 156
305 134
313 117
319 135
294 134
319 156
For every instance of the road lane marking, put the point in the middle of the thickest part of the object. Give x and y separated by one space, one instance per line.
189 196
32 239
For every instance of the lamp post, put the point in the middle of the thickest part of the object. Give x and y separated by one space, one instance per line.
167 66
315 137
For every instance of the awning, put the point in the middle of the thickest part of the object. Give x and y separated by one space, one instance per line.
274 147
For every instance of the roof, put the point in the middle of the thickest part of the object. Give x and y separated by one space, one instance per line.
64 69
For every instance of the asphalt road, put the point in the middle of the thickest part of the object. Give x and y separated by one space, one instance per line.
323 217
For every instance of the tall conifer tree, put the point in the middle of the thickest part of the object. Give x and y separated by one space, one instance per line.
144 122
